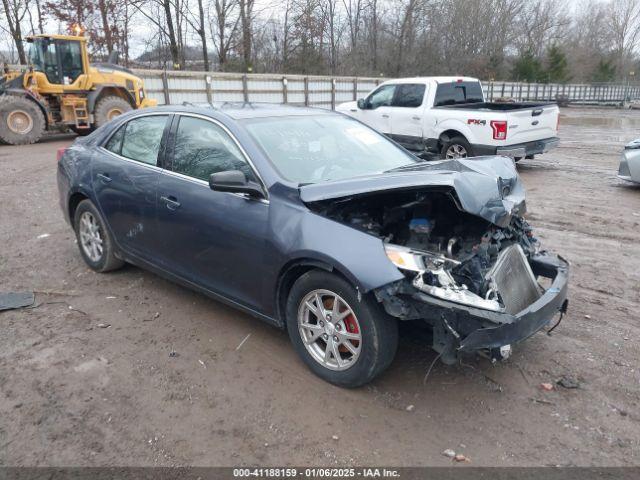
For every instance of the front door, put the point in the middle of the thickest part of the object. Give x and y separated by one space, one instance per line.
407 115
377 109
213 239
125 177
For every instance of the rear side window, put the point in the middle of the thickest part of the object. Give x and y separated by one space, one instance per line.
409 95
141 139
203 148
454 93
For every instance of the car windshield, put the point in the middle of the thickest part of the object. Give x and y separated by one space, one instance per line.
320 148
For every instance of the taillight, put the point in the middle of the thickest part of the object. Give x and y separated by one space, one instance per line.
60 153
499 129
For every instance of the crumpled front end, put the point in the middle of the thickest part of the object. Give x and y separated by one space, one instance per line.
475 272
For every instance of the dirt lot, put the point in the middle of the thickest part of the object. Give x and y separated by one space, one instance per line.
75 393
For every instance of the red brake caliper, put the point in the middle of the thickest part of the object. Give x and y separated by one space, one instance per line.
352 327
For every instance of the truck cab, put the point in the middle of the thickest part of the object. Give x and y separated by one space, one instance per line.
449 117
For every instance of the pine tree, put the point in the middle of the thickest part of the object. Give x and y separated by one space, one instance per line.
557 66
604 72
527 68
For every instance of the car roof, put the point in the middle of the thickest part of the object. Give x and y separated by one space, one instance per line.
244 110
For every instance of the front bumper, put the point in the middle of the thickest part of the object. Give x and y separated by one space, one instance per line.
520 150
463 328
521 326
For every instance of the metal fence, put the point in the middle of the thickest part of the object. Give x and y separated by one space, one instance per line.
175 87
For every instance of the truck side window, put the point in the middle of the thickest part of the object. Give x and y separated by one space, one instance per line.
409 95
454 93
381 97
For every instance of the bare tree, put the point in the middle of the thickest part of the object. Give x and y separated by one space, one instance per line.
15 11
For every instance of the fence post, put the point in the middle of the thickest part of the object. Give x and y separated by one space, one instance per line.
333 94
306 91
502 92
165 88
491 91
355 88
284 90
207 80
245 89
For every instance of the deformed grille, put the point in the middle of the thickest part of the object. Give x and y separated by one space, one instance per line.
513 279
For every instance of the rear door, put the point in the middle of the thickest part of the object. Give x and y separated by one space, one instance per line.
377 113
125 175
407 111
532 124
216 240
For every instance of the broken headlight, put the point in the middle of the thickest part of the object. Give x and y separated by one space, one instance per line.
432 276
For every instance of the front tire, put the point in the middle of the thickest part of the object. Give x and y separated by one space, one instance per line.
456 147
94 239
345 338
21 120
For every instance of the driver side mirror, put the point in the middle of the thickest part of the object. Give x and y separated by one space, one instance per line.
235 181
362 105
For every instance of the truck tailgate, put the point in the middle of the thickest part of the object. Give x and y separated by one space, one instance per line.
532 124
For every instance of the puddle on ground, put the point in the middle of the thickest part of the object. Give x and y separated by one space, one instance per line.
624 120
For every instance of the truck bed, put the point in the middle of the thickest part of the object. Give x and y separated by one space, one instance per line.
498 106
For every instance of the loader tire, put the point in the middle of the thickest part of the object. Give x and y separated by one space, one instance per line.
109 108
21 120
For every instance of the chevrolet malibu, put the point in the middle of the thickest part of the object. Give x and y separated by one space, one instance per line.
317 224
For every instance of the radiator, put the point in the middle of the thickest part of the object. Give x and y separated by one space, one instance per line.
513 279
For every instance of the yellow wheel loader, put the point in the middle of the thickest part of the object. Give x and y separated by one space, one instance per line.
60 89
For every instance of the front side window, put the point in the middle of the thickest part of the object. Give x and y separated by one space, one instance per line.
319 148
382 97
141 139
409 95
203 148
42 55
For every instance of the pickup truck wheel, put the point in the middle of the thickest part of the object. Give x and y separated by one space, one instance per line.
344 337
456 147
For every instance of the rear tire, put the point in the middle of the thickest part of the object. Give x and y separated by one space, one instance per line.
94 239
109 108
372 334
456 147
21 120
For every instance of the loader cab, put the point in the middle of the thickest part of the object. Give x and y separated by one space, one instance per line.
61 58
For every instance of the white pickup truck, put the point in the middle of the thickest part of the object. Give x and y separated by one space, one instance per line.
450 117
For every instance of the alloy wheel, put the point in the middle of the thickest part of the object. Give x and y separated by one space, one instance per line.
456 151
91 238
329 330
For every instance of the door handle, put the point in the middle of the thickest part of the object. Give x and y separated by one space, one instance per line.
171 202
384 115
415 117
104 177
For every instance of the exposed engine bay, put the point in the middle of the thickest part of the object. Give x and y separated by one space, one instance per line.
444 251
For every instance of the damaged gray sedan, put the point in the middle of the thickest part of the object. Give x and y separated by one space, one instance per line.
318 224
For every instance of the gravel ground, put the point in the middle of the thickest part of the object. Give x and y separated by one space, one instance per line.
73 392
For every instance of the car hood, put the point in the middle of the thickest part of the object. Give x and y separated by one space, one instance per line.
488 187
346 106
